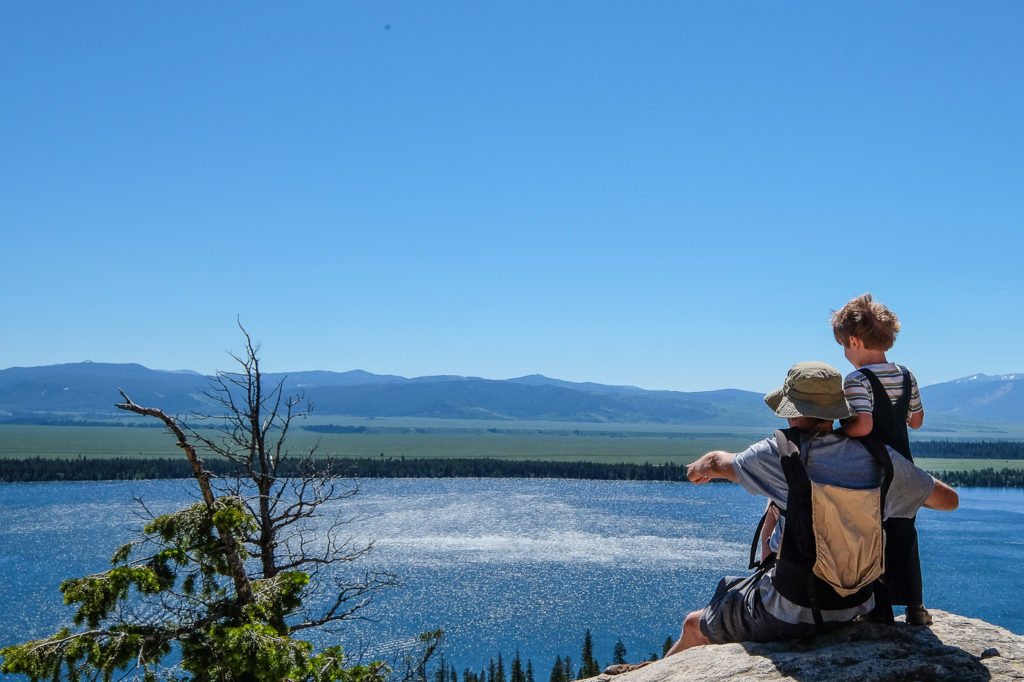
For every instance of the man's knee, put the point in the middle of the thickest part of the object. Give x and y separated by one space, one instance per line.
692 636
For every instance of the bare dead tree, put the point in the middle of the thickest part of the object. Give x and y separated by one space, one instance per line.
299 520
230 547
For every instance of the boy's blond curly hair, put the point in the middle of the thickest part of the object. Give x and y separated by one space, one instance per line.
871 322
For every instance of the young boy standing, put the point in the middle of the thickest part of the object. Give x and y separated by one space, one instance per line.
886 401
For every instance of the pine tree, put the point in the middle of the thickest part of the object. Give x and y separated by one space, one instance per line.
619 653
557 671
529 671
501 670
517 669
669 643
588 666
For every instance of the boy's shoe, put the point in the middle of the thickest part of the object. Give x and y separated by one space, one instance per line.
918 615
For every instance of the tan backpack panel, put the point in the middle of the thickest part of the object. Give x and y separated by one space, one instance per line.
848 536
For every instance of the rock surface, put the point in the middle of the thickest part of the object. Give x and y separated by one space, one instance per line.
953 648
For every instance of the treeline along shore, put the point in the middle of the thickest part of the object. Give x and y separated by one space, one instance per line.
140 468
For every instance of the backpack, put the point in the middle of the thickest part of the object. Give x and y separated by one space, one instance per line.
832 549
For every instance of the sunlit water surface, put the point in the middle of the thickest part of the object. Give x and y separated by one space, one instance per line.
507 564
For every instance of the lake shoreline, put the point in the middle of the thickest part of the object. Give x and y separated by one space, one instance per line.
46 469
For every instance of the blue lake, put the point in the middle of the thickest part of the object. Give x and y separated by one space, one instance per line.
507 564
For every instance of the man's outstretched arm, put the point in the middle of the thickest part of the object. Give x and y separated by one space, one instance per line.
715 464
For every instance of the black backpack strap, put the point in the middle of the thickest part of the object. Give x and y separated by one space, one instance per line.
794 575
787 441
880 454
754 563
883 601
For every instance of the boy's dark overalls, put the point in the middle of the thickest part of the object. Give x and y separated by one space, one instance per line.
902 559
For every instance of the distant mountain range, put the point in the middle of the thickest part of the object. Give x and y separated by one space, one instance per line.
998 398
87 391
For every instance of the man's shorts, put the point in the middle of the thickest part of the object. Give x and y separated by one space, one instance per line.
736 614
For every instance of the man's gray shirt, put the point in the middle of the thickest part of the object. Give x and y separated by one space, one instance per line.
830 459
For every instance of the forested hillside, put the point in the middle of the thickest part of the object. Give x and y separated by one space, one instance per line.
86 392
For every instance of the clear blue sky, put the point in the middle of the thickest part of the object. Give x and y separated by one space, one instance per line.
665 194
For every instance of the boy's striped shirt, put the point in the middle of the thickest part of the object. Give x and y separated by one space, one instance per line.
858 389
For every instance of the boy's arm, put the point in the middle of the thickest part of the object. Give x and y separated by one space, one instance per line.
859 425
916 416
915 419
858 394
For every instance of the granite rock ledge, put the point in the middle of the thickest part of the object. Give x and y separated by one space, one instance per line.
953 648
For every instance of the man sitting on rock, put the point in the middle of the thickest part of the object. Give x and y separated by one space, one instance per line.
831 492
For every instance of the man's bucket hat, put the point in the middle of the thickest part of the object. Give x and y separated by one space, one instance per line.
811 389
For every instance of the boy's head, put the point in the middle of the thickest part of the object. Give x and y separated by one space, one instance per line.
875 325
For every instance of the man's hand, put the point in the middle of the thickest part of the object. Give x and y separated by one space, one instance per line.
715 464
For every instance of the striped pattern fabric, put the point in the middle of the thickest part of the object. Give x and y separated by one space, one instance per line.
858 390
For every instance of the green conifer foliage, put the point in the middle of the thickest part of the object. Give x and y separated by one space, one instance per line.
518 675
619 653
588 666
557 671
173 589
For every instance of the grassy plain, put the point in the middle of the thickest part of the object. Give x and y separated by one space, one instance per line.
19 441
550 441
939 464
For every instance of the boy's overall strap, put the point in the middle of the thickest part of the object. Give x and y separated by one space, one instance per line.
902 406
890 420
